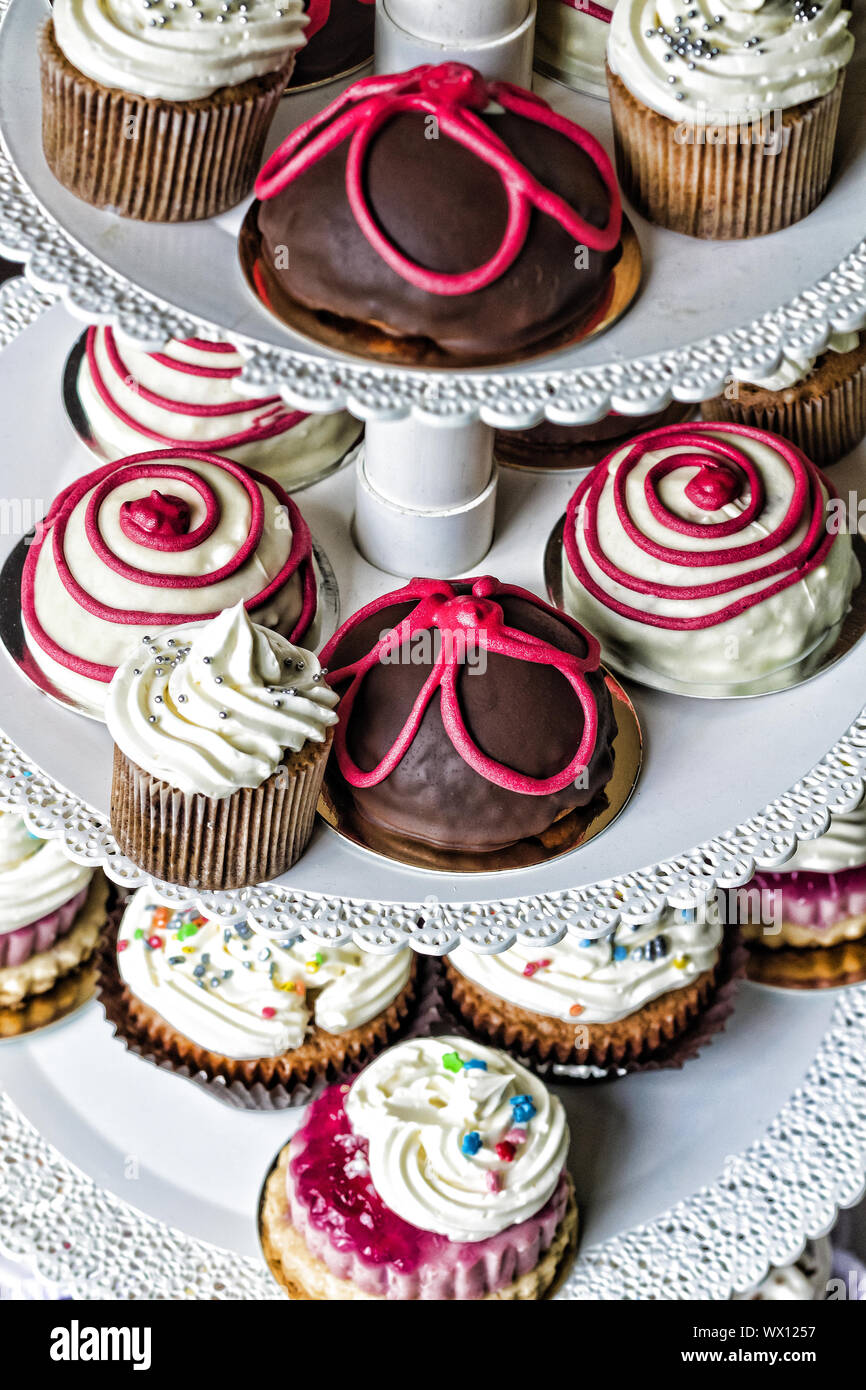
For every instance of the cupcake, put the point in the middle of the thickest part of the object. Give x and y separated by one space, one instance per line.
227 1002
803 1281
600 1002
221 732
185 395
51 914
339 37
158 110
467 244
570 41
725 113
473 715
703 554
439 1173
819 403
815 905
151 541
550 445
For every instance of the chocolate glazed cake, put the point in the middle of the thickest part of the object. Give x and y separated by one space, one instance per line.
479 722
339 36
435 206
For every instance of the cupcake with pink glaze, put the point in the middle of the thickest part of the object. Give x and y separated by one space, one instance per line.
811 926
438 1174
51 913
185 395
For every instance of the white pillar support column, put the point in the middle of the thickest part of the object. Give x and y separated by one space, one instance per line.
425 496
494 36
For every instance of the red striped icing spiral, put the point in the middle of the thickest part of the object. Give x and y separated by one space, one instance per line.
724 473
157 522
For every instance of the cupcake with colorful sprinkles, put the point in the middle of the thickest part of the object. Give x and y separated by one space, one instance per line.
438 1174
593 1001
226 1002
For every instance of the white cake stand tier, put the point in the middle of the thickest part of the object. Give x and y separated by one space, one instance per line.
759 769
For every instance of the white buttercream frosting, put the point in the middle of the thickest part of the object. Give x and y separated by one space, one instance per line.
136 400
211 707
240 994
573 41
842 847
585 980
36 878
769 55
433 1123
795 366
177 50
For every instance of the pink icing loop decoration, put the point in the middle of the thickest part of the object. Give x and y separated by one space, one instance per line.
460 618
714 486
454 94
319 13
273 418
711 448
591 8
92 493
155 519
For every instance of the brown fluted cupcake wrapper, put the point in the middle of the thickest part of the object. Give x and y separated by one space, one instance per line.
266 1083
665 1033
256 833
153 160
724 191
825 427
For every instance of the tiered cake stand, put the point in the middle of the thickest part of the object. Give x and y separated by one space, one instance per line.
155 1191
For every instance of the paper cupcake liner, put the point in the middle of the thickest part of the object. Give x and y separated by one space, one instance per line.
306 1277
825 426
212 843
153 160
249 1085
689 1024
723 191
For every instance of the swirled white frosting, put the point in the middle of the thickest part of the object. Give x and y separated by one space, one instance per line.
179 51
241 995
842 847
572 40
211 707
36 878
765 59
416 1113
598 981
141 400
795 367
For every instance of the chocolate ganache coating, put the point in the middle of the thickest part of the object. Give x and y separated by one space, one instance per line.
522 714
445 209
343 39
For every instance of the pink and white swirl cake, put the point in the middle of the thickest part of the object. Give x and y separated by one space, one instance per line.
152 541
438 1174
185 395
707 553
42 894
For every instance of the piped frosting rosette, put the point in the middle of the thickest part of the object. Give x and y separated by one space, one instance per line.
152 541
706 554
185 395
439 1174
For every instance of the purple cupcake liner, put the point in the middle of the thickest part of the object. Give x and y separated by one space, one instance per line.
19 945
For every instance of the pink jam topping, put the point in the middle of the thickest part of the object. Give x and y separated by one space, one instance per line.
723 471
455 95
340 1198
148 519
462 619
